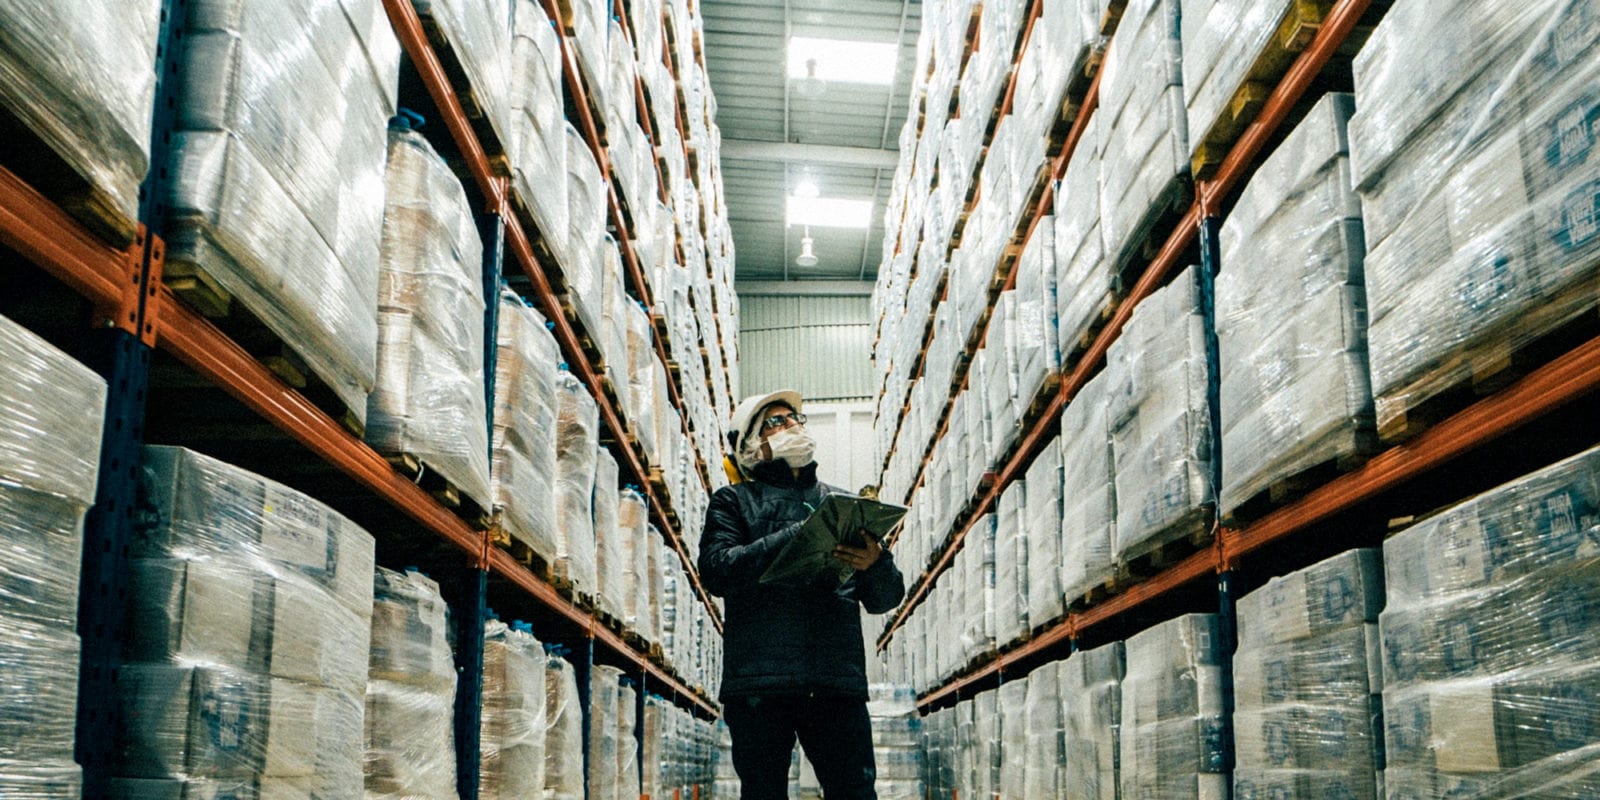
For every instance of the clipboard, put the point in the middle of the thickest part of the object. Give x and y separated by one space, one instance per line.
809 555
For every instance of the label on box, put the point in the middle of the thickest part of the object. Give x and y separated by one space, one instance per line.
294 529
1463 729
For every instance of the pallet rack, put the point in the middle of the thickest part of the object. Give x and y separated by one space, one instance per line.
1546 395
138 321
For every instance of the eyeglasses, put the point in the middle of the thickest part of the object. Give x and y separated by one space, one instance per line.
782 421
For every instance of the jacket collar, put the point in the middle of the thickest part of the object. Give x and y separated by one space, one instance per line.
777 473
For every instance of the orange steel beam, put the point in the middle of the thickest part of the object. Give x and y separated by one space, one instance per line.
45 235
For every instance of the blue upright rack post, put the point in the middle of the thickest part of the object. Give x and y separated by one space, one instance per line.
469 604
1227 620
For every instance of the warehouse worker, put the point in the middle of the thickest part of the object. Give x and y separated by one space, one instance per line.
794 661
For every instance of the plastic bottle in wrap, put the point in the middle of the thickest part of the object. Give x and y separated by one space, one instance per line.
1174 732
1307 676
604 695
52 412
1490 661
896 741
577 450
1091 687
525 462
1295 390
82 78
1473 150
428 401
608 552
512 731
563 743
1156 389
247 653
411 691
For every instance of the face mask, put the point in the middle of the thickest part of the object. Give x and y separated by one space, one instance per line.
794 446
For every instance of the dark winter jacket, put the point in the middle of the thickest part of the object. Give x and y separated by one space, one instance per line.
786 640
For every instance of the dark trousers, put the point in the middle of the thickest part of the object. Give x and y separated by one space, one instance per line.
836 734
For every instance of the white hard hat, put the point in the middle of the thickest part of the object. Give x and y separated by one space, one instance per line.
744 416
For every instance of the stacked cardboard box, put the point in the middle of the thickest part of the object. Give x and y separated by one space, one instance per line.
411 692
1174 731
1091 687
525 463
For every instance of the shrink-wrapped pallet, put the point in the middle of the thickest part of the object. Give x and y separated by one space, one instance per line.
411 692
1156 379
627 742
525 412
1038 349
1231 50
1144 138
1174 732
538 122
1043 529
642 360
563 743
1011 548
613 334
608 552
604 694
986 745
1291 314
1307 676
1490 661
896 741
1013 739
1091 687
1088 494
1085 282
479 34
1045 742
632 555
582 256
277 161
82 78
577 459
428 402
1000 378
512 730
1473 148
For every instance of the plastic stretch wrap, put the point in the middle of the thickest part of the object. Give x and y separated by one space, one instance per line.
513 725
1295 391
411 692
1091 689
247 654
633 549
590 43
1011 547
1144 137
1084 279
987 747
1174 733
976 564
1306 682
1045 745
276 195
480 34
1038 351
1088 494
608 552
1013 739
1490 654
525 463
1160 420
627 742
1474 152
1223 40
577 457
642 390
563 743
82 78
1043 527
604 688
428 400
582 259
1000 378
613 334
896 741
538 122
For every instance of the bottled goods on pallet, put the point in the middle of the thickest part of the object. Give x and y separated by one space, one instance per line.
1174 732
1089 494
606 745
1473 151
1091 685
428 401
679 752
607 588
81 77
563 744
411 691
277 177
1156 379
525 464
640 550
246 662
896 741
1291 314
727 785
1307 677
1490 660
516 726
52 412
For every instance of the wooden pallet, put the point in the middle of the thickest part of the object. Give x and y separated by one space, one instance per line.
1492 360
41 167
1041 400
521 552
1114 583
1166 209
538 243
1074 349
586 343
416 469
196 287
1182 540
1350 449
494 148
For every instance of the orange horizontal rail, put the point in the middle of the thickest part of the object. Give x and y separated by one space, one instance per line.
47 236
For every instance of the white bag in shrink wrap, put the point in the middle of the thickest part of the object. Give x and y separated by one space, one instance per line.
514 724
1144 138
1091 690
604 688
577 459
1085 282
539 123
1307 717
1000 387
563 743
525 411
1174 732
1491 661
1295 390
1479 206
1160 420
1042 515
1088 494
1011 565
608 553
1038 350
586 21
627 741
480 33
276 192
411 692
1013 739
1042 774
428 401
82 78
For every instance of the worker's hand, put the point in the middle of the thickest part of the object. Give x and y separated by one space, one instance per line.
859 558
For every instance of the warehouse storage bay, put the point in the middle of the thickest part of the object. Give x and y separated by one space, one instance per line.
374 370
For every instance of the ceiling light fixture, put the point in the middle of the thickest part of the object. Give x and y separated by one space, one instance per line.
842 61
829 212
808 255
810 86
806 189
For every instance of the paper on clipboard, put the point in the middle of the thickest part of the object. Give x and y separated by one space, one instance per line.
837 520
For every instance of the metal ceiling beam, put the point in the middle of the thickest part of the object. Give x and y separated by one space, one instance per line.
792 153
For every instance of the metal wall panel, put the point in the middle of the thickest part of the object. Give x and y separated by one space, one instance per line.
820 346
